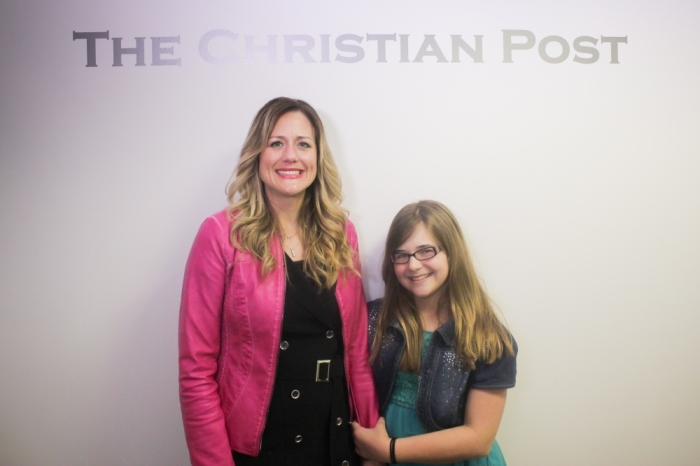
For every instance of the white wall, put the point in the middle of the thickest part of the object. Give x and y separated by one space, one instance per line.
577 186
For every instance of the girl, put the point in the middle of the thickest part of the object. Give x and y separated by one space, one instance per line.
441 359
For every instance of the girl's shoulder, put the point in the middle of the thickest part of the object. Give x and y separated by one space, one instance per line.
500 374
373 307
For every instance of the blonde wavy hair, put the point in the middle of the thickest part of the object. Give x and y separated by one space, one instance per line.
479 333
322 221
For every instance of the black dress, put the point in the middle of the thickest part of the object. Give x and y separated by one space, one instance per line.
308 419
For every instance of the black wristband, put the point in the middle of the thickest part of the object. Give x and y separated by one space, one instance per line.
392 450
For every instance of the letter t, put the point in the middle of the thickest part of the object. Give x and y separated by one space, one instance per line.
91 39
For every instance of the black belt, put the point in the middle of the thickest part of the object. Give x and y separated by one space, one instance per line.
322 370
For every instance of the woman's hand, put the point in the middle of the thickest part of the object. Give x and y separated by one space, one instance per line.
372 444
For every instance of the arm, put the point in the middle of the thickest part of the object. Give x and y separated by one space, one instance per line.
362 392
199 343
484 411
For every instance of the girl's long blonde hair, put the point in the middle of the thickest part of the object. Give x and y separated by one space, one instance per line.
321 219
478 331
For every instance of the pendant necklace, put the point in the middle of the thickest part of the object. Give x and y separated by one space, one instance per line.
291 249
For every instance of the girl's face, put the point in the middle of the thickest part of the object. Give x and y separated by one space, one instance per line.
424 278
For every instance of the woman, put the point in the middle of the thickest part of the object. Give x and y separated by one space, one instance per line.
273 342
442 360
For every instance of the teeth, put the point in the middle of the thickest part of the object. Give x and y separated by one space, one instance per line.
420 278
289 172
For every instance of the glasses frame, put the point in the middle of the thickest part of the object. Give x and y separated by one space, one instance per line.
435 248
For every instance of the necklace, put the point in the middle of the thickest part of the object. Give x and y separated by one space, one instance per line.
291 249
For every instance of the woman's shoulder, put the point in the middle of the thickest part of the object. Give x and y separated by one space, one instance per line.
221 218
350 230
215 228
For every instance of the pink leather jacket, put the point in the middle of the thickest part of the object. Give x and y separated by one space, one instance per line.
230 325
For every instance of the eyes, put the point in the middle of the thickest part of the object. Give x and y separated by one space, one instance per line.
422 254
302 144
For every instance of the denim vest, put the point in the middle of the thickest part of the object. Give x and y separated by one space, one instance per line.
443 385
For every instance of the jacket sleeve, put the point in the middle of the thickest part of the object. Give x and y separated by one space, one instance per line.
363 393
201 310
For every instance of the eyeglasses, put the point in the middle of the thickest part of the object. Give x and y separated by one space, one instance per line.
421 255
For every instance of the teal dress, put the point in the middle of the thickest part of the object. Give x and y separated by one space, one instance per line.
402 420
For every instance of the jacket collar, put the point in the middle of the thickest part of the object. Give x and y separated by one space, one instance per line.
446 331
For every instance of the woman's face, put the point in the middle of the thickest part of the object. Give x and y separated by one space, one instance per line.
288 163
425 279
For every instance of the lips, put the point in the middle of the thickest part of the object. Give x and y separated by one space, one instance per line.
419 277
289 172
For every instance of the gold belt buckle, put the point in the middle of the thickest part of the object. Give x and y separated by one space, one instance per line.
323 370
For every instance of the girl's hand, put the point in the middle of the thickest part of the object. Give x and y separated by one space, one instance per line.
372 444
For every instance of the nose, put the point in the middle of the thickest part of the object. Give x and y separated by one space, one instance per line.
290 154
414 264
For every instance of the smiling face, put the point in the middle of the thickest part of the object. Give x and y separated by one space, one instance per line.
287 165
424 279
